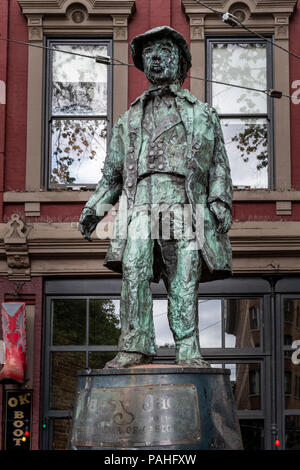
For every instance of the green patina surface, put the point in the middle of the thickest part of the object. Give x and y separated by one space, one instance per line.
167 149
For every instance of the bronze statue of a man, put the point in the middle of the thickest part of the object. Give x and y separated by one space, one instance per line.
167 149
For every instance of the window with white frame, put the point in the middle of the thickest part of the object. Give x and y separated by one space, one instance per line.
78 112
245 114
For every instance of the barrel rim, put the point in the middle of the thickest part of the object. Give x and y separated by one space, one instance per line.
153 371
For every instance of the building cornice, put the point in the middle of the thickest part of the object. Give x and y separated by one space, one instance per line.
58 249
48 197
93 7
255 6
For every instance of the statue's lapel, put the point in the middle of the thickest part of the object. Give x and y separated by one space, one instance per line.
135 128
186 113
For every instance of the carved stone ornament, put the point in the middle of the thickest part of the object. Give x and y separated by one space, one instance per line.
35 33
197 32
241 11
77 13
120 33
78 16
16 248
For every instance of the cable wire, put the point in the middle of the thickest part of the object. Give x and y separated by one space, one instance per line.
100 59
232 20
218 13
267 92
111 61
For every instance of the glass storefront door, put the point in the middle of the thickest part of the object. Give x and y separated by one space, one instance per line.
246 325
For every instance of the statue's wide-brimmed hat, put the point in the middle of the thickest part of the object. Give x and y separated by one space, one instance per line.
159 32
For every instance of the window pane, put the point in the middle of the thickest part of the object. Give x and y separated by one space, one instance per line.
98 359
164 337
78 151
246 143
79 85
252 431
215 365
210 323
104 327
292 432
68 322
246 385
291 318
291 384
64 367
242 320
61 431
243 64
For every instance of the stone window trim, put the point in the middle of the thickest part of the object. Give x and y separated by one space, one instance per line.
66 18
265 17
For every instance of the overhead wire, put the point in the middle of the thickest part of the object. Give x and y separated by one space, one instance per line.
100 59
226 18
233 21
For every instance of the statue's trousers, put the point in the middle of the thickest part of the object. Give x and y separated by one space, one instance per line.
180 264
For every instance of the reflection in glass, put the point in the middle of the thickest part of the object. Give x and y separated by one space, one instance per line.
210 323
68 322
291 384
98 359
292 432
245 379
242 320
243 64
79 85
246 141
252 431
164 337
64 367
78 150
291 333
61 431
291 317
104 326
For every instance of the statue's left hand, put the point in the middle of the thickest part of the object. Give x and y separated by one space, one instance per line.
88 222
223 216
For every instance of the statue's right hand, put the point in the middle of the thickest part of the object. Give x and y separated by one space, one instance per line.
88 222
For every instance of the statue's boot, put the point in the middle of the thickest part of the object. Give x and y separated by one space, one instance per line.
188 353
128 359
199 363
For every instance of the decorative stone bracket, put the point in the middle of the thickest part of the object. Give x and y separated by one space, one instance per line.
16 248
77 15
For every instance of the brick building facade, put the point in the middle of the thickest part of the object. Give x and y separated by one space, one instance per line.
247 323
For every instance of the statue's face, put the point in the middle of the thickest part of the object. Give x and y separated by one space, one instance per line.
161 61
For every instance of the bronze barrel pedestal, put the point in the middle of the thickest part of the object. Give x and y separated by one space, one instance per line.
161 407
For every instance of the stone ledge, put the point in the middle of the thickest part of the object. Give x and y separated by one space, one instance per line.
255 195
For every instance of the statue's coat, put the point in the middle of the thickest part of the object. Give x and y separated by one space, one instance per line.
208 179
